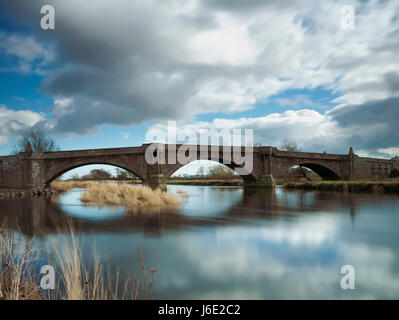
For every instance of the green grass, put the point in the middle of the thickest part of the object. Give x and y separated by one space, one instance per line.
371 186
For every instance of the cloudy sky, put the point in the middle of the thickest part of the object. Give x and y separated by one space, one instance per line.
111 70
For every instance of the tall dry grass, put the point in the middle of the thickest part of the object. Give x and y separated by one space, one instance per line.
129 196
63 186
76 280
82 282
18 268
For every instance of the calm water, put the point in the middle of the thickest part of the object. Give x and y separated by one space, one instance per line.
232 243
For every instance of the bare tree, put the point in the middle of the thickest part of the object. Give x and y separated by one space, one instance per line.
38 140
395 158
290 145
98 174
122 174
221 172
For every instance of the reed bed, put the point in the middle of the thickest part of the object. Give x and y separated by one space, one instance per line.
18 280
75 280
64 186
128 196
82 282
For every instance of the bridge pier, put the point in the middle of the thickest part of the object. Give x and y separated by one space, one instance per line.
155 181
264 181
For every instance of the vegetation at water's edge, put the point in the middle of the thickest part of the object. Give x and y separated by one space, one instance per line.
127 195
206 182
20 278
122 194
384 186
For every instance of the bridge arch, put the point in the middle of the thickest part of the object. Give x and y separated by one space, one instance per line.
58 171
172 169
323 170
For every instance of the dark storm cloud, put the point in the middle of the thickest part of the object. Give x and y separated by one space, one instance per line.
119 71
126 62
379 117
392 81
249 5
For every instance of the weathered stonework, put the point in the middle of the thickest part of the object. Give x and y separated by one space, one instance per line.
35 171
266 181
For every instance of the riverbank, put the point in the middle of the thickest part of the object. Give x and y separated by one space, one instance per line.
384 186
173 181
181 181
206 182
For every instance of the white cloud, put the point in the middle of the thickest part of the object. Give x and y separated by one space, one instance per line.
32 55
310 128
389 151
155 61
13 122
238 47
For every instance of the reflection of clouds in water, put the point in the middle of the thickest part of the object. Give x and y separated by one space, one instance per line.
72 206
234 294
309 230
298 257
242 263
375 274
208 201
276 256
245 271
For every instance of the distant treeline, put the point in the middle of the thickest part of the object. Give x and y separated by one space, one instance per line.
215 172
101 174
220 172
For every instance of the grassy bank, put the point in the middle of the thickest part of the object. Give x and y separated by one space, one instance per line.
385 186
62 186
207 182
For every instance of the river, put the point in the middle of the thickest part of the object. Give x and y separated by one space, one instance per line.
231 243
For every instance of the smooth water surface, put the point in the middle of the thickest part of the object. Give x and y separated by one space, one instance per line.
227 242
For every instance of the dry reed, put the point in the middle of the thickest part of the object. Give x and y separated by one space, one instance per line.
77 281
63 186
81 282
17 270
128 196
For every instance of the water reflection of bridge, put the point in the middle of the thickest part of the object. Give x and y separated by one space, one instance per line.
41 217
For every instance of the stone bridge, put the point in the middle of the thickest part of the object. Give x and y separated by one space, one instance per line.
35 170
